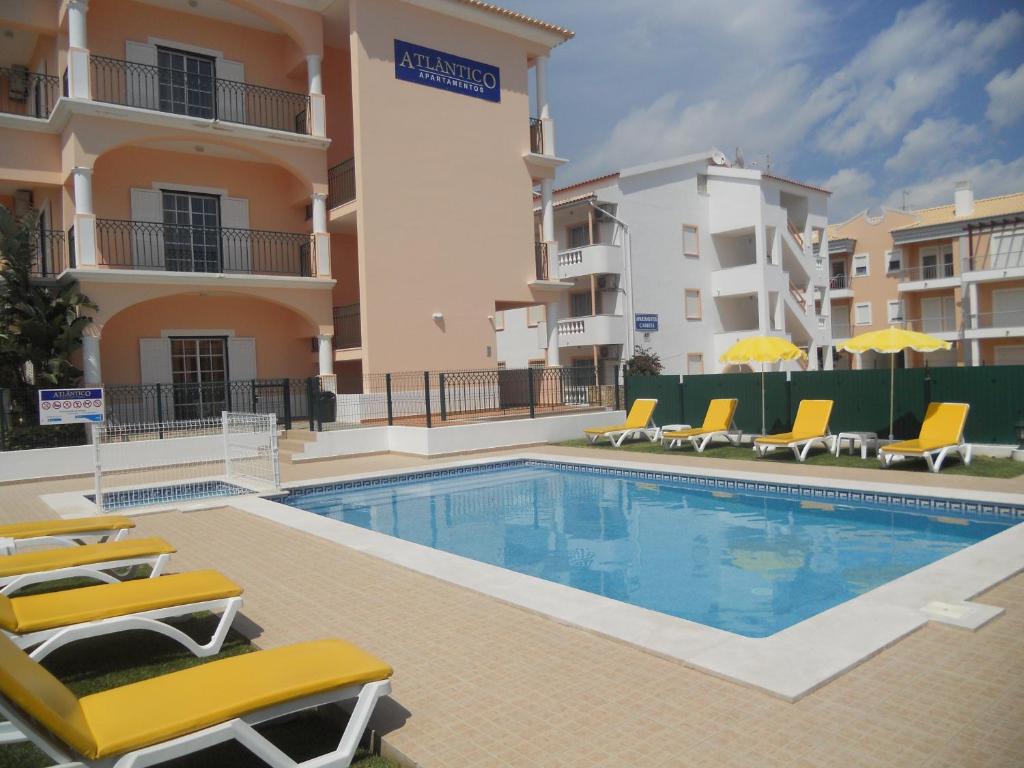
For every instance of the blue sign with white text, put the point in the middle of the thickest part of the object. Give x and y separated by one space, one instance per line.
446 71
646 322
70 406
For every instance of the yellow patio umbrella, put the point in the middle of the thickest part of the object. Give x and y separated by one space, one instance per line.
889 342
762 349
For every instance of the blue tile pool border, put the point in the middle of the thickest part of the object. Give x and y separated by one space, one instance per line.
128 498
849 496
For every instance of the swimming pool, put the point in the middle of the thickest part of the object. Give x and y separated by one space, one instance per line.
748 558
168 494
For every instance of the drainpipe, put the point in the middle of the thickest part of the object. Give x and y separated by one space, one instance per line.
628 258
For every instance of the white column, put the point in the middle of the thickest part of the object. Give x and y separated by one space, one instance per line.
85 221
543 106
552 313
547 203
326 355
317 108
78 49
91 360
761 257
320 234
972 309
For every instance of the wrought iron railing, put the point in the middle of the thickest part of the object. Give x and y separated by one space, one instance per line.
49 258
341 183
536 136
540 251
347 332
926 272
26 93
176 248
839 282
160 89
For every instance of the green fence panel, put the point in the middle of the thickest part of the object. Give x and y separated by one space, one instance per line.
667 391
698 391
996 395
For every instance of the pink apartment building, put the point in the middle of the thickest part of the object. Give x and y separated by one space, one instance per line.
954 271
255 189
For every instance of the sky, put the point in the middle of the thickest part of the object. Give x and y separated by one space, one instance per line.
879 102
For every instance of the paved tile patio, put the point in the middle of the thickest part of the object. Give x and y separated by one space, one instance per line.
481 683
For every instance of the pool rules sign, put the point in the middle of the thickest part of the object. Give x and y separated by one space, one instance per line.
71 406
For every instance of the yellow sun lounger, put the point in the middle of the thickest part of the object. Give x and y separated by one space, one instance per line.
639 422
89 561
49 620
809 427
942 433
718 422
180 713
62 532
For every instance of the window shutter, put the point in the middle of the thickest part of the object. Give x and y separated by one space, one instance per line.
230 96
242 358
155 361
147 242
234 216
142 85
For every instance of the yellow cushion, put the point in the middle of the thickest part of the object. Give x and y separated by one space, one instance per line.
640 414
684 433
148 712
43 697
74 606
782 438
65 527
812 418
944 423
603 430
720 414
89 554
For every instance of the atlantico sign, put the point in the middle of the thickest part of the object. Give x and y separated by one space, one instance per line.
446 71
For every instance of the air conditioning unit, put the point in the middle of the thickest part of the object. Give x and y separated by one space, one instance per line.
605 352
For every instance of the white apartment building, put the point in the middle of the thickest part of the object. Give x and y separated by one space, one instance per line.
684 256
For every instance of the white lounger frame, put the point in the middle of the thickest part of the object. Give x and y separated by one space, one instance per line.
700 442
97 571
964 450
241 729
49 640
11 546
800 448
618 437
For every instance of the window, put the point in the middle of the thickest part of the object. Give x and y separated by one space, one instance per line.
191 232
535 315
860 264
695 364
579 235
691 243
499 321
862 313
692 301
580 305
185 83
538 362
501 365
894 260
894 310
199 376
937 262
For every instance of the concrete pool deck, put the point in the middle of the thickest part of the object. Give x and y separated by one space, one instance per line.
479 682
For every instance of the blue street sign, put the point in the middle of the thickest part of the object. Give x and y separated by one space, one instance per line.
646 321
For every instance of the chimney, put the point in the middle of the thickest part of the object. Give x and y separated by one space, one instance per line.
963 199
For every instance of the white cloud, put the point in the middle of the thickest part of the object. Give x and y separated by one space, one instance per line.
1006 97
852 191
931 144
990 178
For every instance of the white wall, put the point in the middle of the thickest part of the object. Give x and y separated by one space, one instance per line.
519 343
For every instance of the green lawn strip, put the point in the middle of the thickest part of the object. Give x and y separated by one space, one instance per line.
980 466
89 666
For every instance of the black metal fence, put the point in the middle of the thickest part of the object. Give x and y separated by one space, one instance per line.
341 183
162 89
26 93
49 256
347 331
536 136
177 248
540 252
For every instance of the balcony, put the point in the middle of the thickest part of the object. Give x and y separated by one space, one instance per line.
737 281
341 183
172 91
540 257
940 327
927 278
222 250
597 259
536 136
591 330
347 331
995 325
994 266
840 287
27 94
50 258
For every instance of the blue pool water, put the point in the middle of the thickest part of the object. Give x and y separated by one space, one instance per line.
168 494
752 563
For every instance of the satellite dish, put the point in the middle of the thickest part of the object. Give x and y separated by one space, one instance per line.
718 158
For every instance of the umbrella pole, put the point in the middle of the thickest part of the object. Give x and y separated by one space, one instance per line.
763 432
892 390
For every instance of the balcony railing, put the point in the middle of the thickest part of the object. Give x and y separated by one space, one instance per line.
27 93
1002 260
347 333
177 248
49 258
540 254
1010 318
536 136
341 183
160 89
930 324
929 272
839 282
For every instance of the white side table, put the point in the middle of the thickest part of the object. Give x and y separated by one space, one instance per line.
867 440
